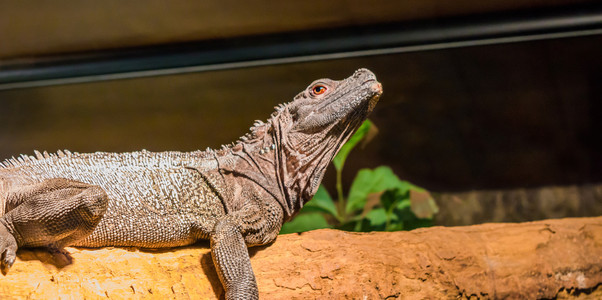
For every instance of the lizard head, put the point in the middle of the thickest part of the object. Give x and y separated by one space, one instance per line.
310 130
330 104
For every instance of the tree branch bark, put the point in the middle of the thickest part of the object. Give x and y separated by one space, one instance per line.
525 260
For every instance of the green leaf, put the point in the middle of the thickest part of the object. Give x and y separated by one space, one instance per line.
395 226
388 199
395 199
305 222
409 219
373 181
377 217
339 159
406 203
322 202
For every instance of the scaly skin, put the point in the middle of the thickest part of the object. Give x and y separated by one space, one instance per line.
236 197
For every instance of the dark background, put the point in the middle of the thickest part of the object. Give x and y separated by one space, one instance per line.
524 114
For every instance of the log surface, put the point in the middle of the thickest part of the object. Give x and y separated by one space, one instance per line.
543 259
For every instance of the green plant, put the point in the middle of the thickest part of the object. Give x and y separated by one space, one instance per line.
377 200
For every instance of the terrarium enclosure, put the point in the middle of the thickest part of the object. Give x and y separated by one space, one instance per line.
493 107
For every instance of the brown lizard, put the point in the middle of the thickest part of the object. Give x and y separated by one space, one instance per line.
237 197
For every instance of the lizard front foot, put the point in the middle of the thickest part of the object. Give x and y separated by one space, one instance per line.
8 248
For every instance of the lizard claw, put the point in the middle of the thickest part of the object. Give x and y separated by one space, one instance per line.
8 249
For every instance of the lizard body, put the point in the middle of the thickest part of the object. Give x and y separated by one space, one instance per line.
237 197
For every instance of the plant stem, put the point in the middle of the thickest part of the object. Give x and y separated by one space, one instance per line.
387 223
389 216
341 199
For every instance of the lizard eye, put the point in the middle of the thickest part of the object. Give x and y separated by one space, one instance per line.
319 90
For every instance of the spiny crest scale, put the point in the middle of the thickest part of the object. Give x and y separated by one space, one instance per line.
24 159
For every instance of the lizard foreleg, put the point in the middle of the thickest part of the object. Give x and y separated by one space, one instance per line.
231 259
258 223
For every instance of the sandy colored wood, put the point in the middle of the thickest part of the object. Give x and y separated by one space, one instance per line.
493 261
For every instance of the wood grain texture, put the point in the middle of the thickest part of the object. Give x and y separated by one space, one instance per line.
532 260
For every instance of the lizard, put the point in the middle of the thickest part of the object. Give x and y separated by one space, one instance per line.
236 197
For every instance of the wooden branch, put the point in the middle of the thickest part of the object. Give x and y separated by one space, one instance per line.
525 260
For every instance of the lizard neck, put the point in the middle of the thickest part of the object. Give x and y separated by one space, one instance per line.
270 157
253 160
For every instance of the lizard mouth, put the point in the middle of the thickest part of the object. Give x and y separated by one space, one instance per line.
376 87
375 90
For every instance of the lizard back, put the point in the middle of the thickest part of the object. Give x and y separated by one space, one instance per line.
155 199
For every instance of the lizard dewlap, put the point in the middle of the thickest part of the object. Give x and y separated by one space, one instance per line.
238 196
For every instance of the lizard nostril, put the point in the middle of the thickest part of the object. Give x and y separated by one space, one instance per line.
377 87
363 73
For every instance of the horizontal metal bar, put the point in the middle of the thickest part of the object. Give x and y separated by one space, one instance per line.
304 46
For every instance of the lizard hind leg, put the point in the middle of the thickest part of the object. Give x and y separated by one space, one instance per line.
52 213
